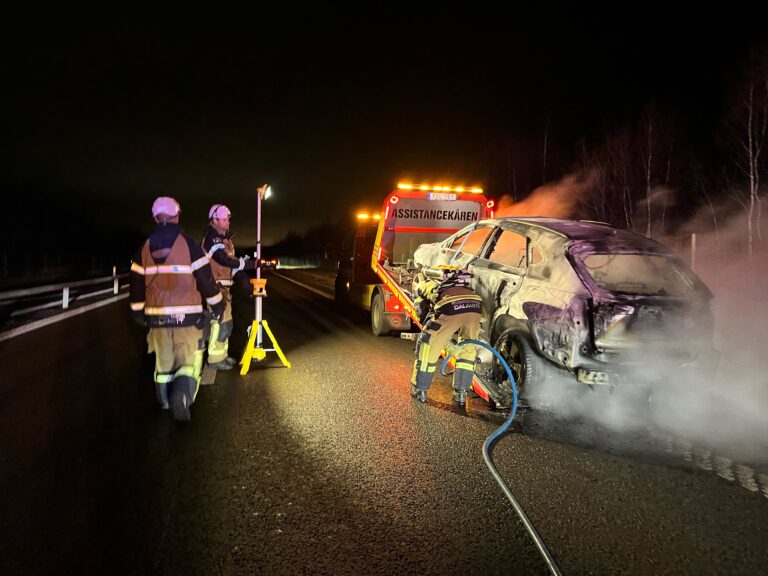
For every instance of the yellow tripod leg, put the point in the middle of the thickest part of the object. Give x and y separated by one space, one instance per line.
276 345
245 361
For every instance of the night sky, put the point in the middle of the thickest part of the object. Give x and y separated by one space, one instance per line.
105 111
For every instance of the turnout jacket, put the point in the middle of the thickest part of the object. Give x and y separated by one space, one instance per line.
223 260
170 277
447 297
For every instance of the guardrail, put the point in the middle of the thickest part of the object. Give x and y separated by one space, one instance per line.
65 288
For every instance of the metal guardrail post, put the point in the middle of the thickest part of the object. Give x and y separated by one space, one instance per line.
65 297
114 280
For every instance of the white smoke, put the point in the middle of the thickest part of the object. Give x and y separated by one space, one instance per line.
726 409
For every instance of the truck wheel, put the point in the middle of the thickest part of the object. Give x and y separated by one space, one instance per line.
377 316
340 295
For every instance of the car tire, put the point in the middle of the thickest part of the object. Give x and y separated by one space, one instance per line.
528 368
378 322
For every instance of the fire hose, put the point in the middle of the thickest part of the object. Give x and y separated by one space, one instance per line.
491 440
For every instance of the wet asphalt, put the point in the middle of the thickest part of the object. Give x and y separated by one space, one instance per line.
327 467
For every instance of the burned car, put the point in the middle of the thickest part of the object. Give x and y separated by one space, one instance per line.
601 306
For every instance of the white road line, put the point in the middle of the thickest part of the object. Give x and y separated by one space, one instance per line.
703 459
8 334
762 479
723 468
208 376
310 288
746 477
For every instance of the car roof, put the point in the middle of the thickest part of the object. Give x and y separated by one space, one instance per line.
575 229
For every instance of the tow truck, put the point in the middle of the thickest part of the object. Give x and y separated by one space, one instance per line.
378 276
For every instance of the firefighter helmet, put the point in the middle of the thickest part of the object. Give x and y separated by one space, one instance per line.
219 211
165 205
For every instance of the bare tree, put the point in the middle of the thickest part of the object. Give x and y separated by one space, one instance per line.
648 160
746 133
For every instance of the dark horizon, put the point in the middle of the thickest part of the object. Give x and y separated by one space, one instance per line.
101 120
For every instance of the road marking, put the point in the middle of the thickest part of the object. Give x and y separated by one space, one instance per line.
703 459
208 376
8 334
310 288
723 468
762 479
746 477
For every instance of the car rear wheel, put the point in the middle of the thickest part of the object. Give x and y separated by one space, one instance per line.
378 322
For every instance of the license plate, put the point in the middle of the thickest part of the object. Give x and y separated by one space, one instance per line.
440 196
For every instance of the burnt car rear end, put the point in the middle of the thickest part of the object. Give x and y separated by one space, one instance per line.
649 314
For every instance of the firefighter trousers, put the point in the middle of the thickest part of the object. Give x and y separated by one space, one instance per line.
435 336
218 343
178 361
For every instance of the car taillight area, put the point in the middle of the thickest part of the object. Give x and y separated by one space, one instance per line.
674 325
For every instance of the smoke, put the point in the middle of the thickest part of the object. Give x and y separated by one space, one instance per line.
557 200
722 407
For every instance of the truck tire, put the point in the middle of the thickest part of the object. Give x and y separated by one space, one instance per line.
340 294
378 321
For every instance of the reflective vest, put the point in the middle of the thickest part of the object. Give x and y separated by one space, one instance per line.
223 274
172 296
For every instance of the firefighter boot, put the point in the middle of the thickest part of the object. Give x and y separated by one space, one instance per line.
460 397
222 365
180 406
419 393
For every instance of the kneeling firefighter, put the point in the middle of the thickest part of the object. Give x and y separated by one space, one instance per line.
447 305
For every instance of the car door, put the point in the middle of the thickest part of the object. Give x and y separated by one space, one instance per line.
500 269
461 249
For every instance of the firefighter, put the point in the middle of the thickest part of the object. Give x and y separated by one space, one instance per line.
170 277
217 243
446 305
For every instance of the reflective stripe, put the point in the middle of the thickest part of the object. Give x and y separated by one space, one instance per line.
138 268
186 371
200 262
198 364
464 365
449 299
161 310
214 248
215 328
136 306
225 282
171 269
214 299
163 377
424 360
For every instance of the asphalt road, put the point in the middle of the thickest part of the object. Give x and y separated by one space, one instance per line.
326 468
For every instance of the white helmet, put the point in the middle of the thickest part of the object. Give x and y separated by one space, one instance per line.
165 205
218 211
